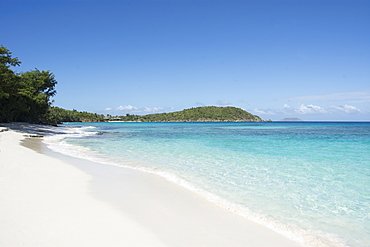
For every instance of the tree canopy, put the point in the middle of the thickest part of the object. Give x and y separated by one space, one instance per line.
24 97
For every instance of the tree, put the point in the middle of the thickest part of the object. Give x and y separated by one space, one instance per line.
37 87
25 96
8 83
7 76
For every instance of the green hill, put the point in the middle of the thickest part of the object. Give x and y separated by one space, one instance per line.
199 114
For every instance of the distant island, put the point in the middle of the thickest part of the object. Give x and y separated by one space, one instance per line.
292 119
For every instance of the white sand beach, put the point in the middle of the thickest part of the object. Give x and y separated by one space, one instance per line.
48 199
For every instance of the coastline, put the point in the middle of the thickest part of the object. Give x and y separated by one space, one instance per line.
52 198
46 202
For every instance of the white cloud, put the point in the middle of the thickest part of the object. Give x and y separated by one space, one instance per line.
314 109
349 109
310 109
304 109
126 108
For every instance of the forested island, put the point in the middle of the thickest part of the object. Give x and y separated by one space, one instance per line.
198 114
26 97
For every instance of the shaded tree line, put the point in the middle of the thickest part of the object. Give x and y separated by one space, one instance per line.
58 115
24 97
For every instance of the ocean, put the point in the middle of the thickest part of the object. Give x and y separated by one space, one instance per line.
309 181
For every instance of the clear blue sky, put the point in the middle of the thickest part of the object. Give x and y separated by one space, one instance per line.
301 58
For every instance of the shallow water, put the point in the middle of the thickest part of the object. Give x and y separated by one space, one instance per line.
308 181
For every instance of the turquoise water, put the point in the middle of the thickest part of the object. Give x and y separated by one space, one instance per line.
307 181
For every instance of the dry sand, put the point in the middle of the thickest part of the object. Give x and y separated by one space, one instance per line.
48 199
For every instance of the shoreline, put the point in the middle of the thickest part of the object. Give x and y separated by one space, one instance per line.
45 201
164 214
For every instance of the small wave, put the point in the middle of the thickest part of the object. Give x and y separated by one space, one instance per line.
77 132
57 142
88 127
304 237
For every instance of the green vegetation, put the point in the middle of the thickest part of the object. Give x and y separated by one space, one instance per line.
199 114
58 115
24 97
